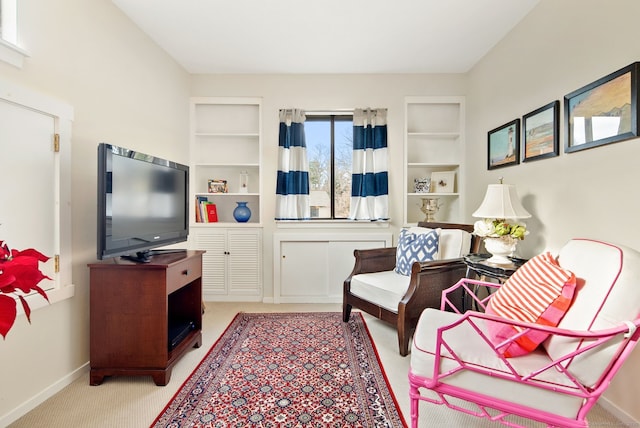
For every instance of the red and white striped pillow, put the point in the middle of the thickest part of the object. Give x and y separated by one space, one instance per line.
539 292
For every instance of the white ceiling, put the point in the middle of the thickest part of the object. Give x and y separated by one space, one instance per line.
326 36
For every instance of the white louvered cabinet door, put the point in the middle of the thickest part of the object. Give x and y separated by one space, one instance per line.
244 262
232 264
214 242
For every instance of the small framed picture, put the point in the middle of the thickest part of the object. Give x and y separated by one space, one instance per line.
218 186
541 132
502 145
603 112
422 185
443 181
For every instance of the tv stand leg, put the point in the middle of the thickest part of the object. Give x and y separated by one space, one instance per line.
95 379
161 378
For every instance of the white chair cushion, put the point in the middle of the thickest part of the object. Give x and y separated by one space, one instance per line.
385 289
471 348
454 243
605 297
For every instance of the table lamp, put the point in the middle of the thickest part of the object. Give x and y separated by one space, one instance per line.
500 204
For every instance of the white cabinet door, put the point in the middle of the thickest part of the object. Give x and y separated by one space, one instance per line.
214 267
232 264
245 262
304 269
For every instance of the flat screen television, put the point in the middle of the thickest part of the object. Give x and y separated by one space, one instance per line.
142 203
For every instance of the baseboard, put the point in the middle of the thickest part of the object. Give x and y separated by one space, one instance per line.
616 411
42 396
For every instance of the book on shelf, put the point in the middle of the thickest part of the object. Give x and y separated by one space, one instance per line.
212 213
206 211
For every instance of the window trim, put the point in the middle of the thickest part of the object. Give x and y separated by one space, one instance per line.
10 52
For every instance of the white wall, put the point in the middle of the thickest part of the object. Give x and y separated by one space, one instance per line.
326 92
124 90
559 47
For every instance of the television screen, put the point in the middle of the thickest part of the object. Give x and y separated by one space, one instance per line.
142 203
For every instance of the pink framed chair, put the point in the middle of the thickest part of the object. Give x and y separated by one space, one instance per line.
455 357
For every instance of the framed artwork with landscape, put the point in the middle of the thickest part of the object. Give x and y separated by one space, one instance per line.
503 143
541 132
603 112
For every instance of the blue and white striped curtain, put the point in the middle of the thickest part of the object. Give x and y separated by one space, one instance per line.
370 177
292 187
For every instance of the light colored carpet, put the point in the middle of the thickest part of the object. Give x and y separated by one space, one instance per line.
134 402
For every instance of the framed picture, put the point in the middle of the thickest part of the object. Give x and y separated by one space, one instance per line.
443 181
502 145
541 132
603 112
218 186
422 185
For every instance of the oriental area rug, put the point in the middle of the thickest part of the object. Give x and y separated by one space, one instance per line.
287 370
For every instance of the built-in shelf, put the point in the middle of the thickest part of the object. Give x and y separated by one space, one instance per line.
434 142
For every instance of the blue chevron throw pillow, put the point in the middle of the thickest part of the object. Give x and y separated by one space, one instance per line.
415 247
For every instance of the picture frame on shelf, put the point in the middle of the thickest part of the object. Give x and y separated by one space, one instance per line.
443 181
602 112
422 185
541 132
218 186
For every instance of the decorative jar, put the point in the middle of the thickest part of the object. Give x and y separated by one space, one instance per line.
242 213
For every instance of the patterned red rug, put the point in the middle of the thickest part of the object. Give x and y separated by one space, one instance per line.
287 370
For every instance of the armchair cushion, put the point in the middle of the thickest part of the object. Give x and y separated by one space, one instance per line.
476 354
384 289
453 243
539 292
415 247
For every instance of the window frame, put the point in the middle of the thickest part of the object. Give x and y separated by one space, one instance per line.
332 117
10 52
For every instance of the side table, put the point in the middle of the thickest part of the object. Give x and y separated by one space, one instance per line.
477 266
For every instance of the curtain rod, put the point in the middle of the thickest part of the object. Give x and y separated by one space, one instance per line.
336 112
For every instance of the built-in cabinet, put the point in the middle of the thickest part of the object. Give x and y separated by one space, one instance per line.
226 150
232 264
434 143
312 267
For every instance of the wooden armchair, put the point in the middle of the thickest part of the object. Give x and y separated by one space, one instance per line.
374 287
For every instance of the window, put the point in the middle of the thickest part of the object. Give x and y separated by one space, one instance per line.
329 141
8 21
9 51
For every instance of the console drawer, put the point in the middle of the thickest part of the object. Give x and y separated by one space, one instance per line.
182 273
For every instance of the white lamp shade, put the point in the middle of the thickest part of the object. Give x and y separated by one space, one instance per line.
501 201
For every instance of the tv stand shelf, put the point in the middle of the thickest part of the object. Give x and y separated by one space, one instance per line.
132 308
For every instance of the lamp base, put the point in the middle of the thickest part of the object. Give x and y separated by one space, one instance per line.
500 248
498 260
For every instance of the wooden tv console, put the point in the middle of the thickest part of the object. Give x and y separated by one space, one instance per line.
132 308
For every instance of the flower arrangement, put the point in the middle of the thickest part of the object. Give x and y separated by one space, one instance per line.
496 228
19 275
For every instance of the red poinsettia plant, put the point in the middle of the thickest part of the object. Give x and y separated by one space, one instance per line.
19 276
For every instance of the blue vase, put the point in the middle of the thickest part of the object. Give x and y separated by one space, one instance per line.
242 213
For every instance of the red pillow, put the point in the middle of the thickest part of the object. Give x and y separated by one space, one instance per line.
538 292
